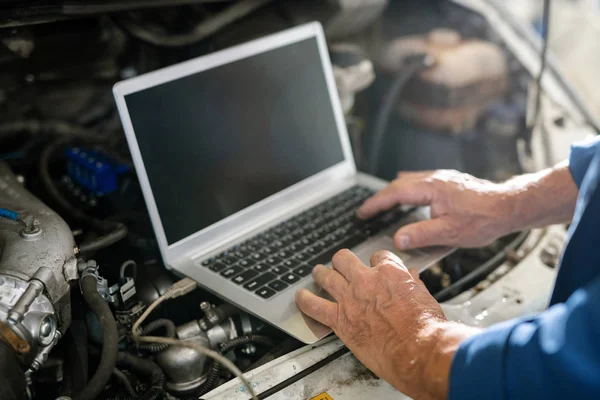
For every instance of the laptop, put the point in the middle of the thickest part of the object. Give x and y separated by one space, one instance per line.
246 167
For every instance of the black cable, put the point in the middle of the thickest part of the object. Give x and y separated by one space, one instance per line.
122 378
115 230
543 61
537 117
482 271
412 66
147 368
286 346
214 371
110 339
170 332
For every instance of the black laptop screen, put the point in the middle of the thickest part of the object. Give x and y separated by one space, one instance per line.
218 141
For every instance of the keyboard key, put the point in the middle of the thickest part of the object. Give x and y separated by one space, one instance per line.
303 271
245 277
258 256
302 257
290 278
267 250
260 281
217 266
287 240
325 257
232 271
265 292
315 249
207 262
305 241
291 263
278 285
272 261
240 254
246 263
283 254
261 267
295 247
277 244
280 270
228 260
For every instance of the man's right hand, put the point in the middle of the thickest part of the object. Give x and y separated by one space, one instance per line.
469 212
465 211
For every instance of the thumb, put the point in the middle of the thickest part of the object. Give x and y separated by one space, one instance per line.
434 232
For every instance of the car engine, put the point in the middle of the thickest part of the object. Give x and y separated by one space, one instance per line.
79 264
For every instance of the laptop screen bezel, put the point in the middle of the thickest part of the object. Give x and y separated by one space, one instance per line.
241 222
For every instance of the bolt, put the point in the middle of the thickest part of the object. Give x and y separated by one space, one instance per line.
205 306
46 328
35 365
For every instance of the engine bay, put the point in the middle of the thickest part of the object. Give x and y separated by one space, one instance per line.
79 263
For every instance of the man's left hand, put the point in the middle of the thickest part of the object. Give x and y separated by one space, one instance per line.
389 320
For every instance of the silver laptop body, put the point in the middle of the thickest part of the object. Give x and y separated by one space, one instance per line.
202 173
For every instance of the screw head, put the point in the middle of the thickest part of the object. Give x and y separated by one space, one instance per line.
47 330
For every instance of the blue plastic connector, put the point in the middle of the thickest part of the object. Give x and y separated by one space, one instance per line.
93 170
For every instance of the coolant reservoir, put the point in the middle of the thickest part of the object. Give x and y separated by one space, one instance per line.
468 77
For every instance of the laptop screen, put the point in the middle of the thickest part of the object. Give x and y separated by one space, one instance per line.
218 141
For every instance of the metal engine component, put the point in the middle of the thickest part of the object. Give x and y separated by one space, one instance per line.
469 76
185 367
37 261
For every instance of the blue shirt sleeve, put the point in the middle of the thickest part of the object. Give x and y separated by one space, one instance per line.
555 355
582 154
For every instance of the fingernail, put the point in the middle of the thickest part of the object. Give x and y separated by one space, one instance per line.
404 242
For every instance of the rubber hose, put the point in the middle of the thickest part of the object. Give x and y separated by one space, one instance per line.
413 65
215 368
171 332
110 339
147 368
76 358
118 232
12 379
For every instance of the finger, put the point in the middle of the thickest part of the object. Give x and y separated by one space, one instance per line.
347 264
330 280
434 232
402 191
385 256
317 307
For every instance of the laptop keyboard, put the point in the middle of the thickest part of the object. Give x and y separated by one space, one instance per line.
273 261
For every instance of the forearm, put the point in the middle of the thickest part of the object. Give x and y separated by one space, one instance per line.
430 357
541 199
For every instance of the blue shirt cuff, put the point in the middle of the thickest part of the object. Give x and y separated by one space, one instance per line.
582 154
477 370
